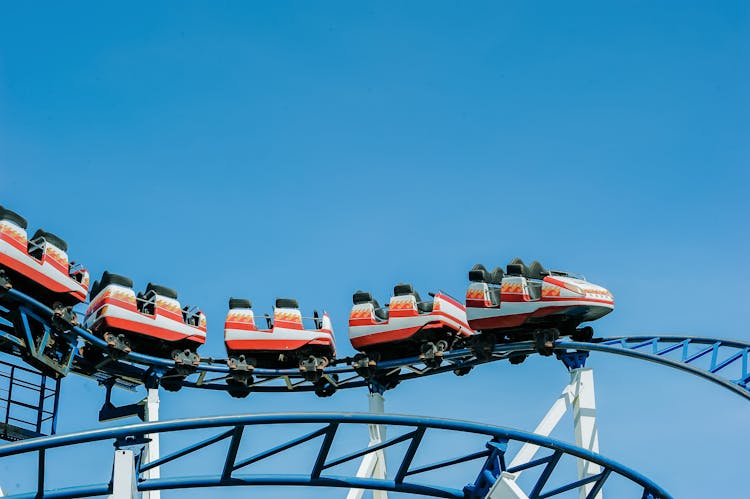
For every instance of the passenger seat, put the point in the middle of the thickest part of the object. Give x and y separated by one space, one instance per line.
404 289
361 297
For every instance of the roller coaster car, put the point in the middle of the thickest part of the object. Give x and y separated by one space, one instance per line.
151 323
285 343
409 326
533 303
39 266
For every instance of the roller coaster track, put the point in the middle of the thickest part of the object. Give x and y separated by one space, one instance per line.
724 362
550 477
710 358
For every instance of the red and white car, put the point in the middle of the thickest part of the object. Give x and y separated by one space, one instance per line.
523 301
285 342
151 323
408 326
39 266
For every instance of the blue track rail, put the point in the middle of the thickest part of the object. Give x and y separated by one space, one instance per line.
411 473
723 362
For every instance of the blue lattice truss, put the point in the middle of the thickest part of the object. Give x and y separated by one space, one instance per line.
27 328
237 470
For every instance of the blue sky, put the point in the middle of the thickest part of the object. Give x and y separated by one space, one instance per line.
310 149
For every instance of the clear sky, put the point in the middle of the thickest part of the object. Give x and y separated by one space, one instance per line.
308 149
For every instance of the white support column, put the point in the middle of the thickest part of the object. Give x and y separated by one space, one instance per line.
584 420
579 394
547 425
151 451
505 488
123 476
373 465
377 435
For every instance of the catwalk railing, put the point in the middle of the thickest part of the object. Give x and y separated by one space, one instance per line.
28 402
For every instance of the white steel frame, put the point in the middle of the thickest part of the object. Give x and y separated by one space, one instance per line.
373 464
123 474
579 394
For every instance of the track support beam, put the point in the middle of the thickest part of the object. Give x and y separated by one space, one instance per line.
124 476
505 488
584 421
578 395
373 464
151 449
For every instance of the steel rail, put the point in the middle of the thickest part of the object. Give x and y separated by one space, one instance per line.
631 346
134 368
231 428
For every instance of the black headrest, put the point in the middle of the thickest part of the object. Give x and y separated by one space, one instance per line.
286 303
240 303
51 238
514 269
536 271
479 274
12 216
161 290
497 276
403 289
524 270
109 278
361 297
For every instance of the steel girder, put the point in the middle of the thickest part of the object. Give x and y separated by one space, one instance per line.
235 469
